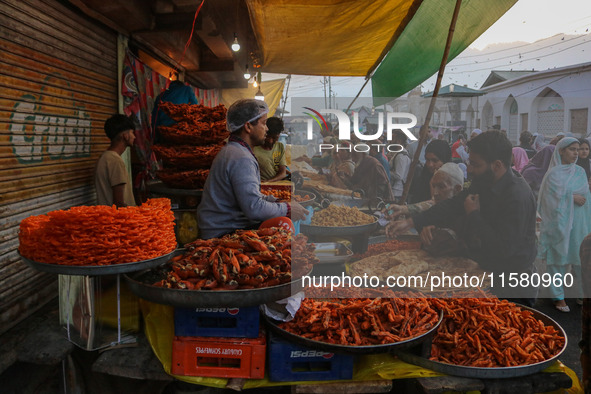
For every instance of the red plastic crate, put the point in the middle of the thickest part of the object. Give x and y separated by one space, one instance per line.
219 357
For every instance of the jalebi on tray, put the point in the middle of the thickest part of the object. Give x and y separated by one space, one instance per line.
185 156
363 321
99 235
246 259
194 133
178 179
190 112
488 332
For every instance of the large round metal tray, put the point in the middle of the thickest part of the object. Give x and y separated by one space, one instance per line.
207 298
94 270
489 373
338 231
161 189
349 349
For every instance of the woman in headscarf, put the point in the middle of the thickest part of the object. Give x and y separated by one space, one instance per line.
583 159
520 158
437 153
534 171
539 142
564 205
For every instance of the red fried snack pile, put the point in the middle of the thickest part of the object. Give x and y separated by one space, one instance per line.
99 235
246 259
362 321
488 332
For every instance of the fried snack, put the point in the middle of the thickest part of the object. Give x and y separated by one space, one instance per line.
194 133
488 332
178 179
99 235
388 246
191 112
281 194
187 157
362 321
247 259
397 263
341 216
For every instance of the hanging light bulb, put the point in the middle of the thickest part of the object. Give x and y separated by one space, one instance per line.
235 44
255 84
259 95
246 72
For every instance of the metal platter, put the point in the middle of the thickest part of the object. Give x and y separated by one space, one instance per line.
207 298
332 253
94 270
489 373
306 202
161 189
423 339
325 231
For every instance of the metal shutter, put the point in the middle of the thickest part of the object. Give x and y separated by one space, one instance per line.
58 84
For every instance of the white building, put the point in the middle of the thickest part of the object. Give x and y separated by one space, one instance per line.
545 102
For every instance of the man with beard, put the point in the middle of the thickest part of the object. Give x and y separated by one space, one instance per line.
232 197
496 214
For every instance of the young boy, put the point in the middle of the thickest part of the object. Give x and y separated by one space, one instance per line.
111 178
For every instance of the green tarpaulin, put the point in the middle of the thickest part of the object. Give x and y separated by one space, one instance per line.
417 53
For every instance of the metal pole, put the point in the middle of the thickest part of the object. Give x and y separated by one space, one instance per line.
425 127
285 98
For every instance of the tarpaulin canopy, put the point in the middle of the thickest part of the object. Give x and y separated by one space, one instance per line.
326 37
417 53
351 37
272 90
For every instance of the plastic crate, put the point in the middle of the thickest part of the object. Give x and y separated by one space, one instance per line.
219 358
294 363
217 322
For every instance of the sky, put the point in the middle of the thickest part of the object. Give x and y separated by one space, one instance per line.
527 21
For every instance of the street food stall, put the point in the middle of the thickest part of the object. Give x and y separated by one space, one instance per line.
217 310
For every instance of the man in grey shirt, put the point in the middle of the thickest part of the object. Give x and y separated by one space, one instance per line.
232 197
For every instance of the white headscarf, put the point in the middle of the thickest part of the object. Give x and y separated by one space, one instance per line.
454 171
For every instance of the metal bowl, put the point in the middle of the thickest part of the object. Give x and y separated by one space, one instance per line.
350 349
489 373
93 270
325 231
207 298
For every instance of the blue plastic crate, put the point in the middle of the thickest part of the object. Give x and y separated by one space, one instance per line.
217 322
293 363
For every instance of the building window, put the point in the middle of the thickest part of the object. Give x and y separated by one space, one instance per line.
524 119
498 120
578 121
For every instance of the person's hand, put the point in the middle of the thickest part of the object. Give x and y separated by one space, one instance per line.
305 159
298 212
399 226
427 235
393 211
472 203
579 200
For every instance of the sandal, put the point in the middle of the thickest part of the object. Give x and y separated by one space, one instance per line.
562 308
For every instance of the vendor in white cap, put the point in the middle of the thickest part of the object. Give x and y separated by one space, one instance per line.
446 182
232 197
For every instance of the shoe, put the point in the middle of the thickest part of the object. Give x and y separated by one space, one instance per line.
562 308
579 301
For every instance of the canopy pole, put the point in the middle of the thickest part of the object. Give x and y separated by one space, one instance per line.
358 93
286 93
425 127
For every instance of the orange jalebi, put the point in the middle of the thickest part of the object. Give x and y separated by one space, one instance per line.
99 235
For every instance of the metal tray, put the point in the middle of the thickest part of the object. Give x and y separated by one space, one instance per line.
325 231
306 202
332 252
208 298
349 349
160 188
93 270
489 373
